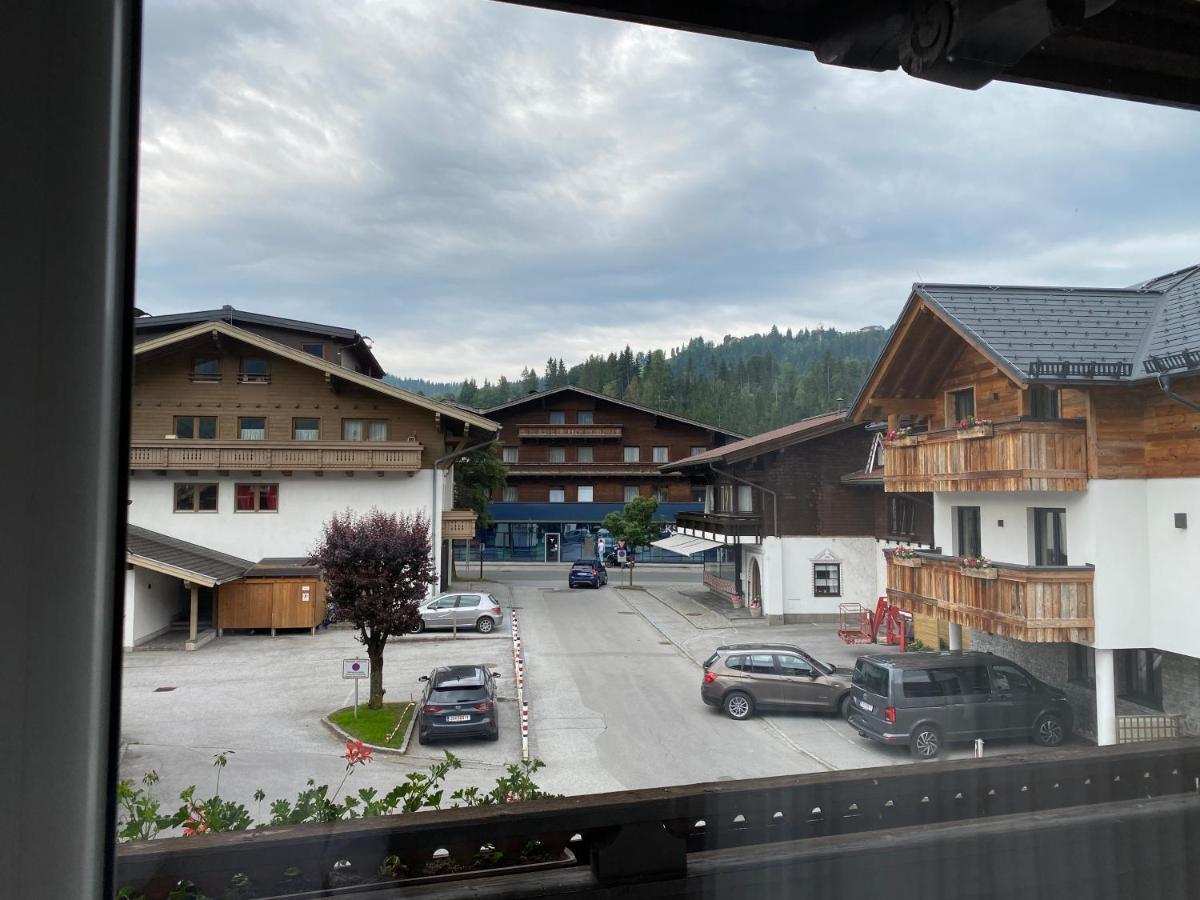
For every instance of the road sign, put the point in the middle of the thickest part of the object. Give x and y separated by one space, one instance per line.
356 668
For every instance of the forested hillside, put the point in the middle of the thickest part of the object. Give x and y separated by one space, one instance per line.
747 384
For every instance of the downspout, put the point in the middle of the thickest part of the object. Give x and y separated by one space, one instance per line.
433 509
758 487
1164 382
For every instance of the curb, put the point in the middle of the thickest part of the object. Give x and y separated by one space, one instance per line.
519 675
349 738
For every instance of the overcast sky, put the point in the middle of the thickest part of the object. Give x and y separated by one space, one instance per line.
478 186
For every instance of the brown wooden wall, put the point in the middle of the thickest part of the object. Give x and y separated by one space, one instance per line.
263 603
996 395
162 390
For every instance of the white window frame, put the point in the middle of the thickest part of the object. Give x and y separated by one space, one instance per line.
661 454
579 455
561 495
510 454
632 457
580 493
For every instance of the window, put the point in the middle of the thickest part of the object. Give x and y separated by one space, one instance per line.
584 417
660 454
827 579
509 454
510 494
557 454
252 428
752 665
364 429
190 497
558 417
306 429
206 369
944 682
902 515
697 450
317 350
745 498
448 602
631 491
966 531
725 498
699 493
584 493
960 405
1043 402
1011 680
558 495
202 427
584 454
1139 677
256 497
1081 665
793 666
1049 537
254 370
659 494
633 454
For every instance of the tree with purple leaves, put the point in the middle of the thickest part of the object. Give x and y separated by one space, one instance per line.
377 568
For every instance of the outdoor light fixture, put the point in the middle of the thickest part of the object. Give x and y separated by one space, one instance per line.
1181 520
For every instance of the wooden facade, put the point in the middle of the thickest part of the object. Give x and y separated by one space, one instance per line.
1037 604
260 604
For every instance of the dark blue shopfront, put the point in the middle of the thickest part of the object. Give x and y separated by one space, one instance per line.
529 532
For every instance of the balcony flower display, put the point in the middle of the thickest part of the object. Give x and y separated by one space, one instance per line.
971 427
905 555
901 437
977 567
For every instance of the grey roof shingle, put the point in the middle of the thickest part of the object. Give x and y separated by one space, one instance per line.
211 564
1024 325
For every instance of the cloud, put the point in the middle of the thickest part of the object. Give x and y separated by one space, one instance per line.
479 186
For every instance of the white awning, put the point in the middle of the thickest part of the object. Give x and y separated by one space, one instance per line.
685 544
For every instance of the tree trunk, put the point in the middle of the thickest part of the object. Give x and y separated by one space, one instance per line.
376 657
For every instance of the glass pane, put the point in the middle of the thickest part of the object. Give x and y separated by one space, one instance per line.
378 430
557 495
745 495
793 665
207 367
660 454
268 497
185 498
632 454
255 367
254 429
352 429
314 349
584 418
697 450
184 427
630 493
1010 680
558 418
585 493
244 497
585 454
510 495
558 454
306 429
208 427
510 454
208 497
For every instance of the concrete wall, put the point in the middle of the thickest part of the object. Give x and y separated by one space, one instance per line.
1172 555
786 567
305 504
152 600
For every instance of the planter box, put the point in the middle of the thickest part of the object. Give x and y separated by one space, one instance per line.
914 563
988 574
906 441
977 431
755 611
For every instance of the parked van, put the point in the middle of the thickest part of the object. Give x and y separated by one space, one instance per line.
926 700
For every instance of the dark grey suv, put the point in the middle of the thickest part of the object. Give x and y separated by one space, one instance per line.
926 700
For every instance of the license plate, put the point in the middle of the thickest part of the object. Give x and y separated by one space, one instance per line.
865 705
458 718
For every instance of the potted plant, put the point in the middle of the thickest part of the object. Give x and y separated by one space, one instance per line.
901 437
737 600
978 567
755 607
906 556
971 427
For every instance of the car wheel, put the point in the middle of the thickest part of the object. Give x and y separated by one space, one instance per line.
484 625
494 734
844 706
926 742
1049 730
422 737
418 628
738 706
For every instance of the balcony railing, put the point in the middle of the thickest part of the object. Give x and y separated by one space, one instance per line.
570 432
1009 455
458 523
285 455
742 527
1031 603
845 833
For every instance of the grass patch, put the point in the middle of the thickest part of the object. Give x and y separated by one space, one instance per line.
374 725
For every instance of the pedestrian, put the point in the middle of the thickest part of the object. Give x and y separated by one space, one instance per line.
600 548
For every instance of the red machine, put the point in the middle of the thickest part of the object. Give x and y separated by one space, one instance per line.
858 625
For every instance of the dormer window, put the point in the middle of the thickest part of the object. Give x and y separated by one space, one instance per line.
206 369
255 370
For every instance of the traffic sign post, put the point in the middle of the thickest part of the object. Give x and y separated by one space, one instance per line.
357 670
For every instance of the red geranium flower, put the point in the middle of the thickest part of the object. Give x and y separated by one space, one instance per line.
357 752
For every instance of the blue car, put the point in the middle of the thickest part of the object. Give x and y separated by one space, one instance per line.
590 572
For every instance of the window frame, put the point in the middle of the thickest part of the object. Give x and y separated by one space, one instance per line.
296 429
204 377
245 377
366 430
952 405
1056 519
557 417
195 421
509 494
196 487
580 488
257 494
265 428
585 417
627 488
556 489
1126 663
1045 401
660 454
637 454
591 456
514 450
901 508
696 451
556 456
308 348
837 579
958 513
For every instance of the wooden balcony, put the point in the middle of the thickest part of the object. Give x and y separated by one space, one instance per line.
1030 603
458 524
734 528
1013 455
570 432
276 455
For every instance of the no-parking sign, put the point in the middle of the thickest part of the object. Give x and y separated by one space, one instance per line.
356 668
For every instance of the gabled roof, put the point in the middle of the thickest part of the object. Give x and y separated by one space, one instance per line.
797 432
528 398
147 323
171 556
200 329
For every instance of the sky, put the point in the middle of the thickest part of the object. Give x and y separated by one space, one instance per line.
479 186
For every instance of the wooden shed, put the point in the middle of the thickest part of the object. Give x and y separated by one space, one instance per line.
273 594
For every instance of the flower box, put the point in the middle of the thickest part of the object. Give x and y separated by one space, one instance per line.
736 599
910 562
755 611
975 431
909 440
988 573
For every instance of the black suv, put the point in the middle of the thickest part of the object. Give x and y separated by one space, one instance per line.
926 700
458 701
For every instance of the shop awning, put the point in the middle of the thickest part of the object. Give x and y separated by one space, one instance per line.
685 545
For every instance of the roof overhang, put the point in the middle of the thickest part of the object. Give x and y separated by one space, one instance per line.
333 370
154 565
685 545
748 448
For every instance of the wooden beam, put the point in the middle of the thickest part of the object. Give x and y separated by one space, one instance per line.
916 406
915 305
194 619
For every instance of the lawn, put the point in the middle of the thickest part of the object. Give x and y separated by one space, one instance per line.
374 725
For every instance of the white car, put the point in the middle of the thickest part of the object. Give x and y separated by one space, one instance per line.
478 610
